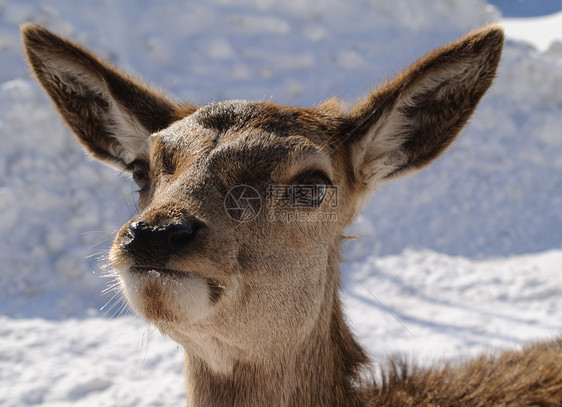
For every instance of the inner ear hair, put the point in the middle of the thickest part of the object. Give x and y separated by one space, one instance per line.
110 112
411 120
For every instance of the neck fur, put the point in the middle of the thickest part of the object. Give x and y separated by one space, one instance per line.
323 370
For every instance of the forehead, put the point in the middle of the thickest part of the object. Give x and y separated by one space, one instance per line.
259 133
233 117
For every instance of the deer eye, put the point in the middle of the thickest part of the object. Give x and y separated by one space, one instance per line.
309 189
139 169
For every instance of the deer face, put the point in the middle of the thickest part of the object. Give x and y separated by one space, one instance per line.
239 216
234 252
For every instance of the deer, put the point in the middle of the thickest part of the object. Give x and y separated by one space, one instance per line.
254 299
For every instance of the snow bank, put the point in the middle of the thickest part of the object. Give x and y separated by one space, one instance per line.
88 362
56 209
463 255
433 306
544 32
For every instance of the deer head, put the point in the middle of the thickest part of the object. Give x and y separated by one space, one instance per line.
235 251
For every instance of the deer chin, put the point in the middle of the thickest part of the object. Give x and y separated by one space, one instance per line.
167 296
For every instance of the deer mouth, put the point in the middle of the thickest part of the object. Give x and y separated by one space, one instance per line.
216 289
161 271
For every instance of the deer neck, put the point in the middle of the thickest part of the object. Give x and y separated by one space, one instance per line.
323 370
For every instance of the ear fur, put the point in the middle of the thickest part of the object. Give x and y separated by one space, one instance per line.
111 113
410 121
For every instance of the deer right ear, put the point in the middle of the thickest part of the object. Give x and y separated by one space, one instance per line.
411 120
111 114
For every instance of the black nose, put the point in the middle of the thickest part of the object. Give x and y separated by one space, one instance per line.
156 244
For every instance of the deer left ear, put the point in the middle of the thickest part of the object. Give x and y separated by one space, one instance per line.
110 113
411 120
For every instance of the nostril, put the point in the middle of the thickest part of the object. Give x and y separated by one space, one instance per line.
136 227
134 232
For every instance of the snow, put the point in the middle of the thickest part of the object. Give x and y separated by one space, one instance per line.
463 257
541 32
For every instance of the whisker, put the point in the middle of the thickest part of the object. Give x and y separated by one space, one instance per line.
110 300
119 300
111 287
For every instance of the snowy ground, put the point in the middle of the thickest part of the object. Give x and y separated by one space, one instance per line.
464 257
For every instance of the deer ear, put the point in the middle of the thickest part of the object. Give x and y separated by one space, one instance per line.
110 113
411 120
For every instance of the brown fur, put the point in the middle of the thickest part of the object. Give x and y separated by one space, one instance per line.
83 107
530 377
254 301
